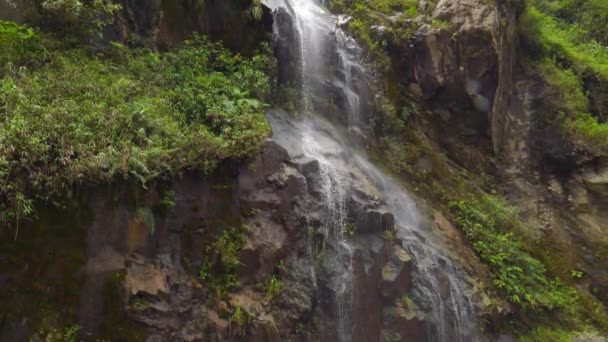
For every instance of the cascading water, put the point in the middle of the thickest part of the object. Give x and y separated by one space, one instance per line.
328 61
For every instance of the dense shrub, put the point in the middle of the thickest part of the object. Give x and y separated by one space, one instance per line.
488 226
83 20
221 261
76 117
367 14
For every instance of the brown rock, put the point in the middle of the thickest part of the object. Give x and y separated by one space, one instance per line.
146 278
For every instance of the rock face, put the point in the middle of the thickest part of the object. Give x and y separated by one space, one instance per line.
286 49
464 67
149 255
166 23
491 108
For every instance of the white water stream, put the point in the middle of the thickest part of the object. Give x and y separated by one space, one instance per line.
439 289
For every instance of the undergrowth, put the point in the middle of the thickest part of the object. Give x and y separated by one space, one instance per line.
221 260
74 116
565 37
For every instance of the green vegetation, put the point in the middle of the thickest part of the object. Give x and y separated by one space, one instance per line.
68 334
565 42
274 286
77 115
349 229
366 14
533 275
73 20
544 334
240 318
487 225
407 302
255 10
221 260
568 40
139 304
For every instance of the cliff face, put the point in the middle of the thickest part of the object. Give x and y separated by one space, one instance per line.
487 105
165 23
461 61
141 272
140 263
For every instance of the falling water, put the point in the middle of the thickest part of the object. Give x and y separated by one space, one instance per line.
439 288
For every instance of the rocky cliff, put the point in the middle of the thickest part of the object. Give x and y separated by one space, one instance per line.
242 254
488 108
167 23
144 251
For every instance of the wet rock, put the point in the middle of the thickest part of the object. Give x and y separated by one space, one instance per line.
378 31
374 220
286 48
396 273
264 329
401 322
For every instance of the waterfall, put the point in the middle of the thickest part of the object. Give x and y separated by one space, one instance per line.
329 69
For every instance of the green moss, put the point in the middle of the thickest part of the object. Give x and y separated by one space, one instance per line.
550 35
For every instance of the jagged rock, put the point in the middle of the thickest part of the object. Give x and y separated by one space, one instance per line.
396 273
378 31
367 213
191 332
156 22
264 329
401 322
147 279
218 325
597 181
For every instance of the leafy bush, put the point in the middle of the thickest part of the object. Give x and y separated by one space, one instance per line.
274 286
18 43
366 14
221 260
77 117
83 20
517 272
